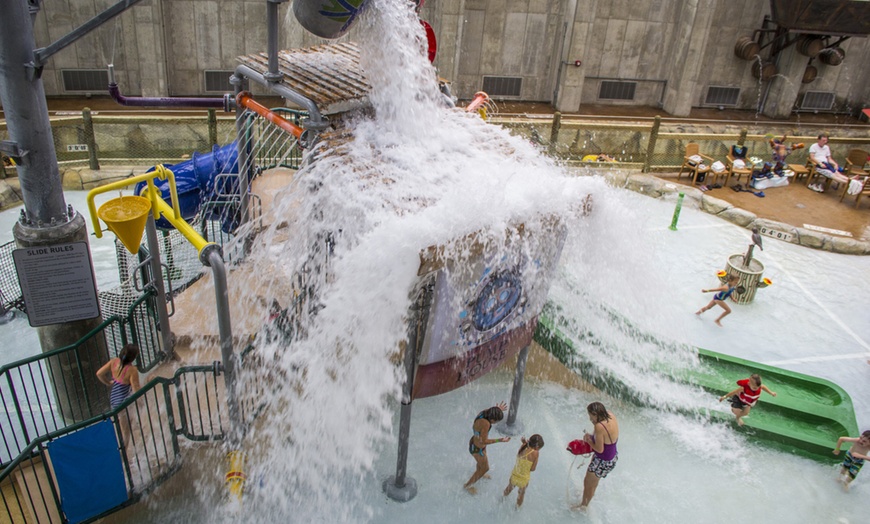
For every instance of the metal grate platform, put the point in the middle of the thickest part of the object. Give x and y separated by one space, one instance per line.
329 75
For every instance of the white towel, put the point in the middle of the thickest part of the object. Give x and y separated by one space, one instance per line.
718 167
695 159
739 164
855 186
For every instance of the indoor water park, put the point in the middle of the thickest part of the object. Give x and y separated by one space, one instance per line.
304 308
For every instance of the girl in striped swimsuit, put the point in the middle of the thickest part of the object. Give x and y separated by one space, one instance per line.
120 374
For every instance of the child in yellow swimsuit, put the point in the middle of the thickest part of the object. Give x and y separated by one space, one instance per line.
527 461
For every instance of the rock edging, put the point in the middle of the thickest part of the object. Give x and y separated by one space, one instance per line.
658 188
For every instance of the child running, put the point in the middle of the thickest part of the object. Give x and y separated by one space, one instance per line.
855 457
723 293
527 461
744 397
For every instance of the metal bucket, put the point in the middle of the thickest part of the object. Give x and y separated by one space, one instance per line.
328 18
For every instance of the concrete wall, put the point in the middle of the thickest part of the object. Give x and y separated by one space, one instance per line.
674 49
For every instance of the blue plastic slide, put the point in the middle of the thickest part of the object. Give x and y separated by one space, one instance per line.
195 183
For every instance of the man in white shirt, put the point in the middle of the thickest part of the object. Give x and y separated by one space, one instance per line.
820 153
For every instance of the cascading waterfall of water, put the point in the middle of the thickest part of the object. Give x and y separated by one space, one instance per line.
351 226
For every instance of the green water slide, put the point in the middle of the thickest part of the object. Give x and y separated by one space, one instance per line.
806 417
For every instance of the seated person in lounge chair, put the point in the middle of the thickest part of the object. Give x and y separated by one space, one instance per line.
820 154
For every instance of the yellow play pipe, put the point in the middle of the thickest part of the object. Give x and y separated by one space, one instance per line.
158 205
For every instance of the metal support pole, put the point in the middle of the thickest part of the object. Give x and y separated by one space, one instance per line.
511 426
554 132
211 257
400 487
212 127
46 219
157 281
26 114
651 145
243 145
273 75
90 139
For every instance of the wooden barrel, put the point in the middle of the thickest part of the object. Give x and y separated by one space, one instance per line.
810 74
746 48
764 71
809 45
832 56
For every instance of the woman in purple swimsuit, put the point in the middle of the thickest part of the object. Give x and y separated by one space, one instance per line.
603 441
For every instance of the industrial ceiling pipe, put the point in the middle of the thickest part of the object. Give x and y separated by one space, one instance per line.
226 102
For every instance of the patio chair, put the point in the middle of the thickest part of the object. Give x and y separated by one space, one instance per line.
854 169
739 171
855 162
692 165
865 189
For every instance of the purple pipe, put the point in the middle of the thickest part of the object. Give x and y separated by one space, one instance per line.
226 102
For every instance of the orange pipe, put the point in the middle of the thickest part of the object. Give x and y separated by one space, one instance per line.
480 98
245 100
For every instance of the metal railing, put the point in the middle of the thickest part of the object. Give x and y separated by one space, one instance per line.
40 394
147 428
93 140
654 147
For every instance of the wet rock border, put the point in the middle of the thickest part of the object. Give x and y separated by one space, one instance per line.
658 188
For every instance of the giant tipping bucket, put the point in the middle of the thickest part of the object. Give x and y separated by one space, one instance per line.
126 216
327 18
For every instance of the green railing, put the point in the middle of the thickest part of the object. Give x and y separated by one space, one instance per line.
147 427
42 393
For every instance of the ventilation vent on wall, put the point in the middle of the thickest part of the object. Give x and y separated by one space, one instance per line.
218 81
722 96
87 80
818 100
610 90
502 85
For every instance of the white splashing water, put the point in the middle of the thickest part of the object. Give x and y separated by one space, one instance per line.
415 175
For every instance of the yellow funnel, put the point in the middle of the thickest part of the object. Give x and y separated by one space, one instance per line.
126 217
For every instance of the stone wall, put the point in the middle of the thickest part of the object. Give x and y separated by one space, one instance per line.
673 49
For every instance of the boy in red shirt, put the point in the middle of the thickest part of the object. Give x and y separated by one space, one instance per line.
744 397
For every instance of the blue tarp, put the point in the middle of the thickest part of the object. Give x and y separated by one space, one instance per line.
88 470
